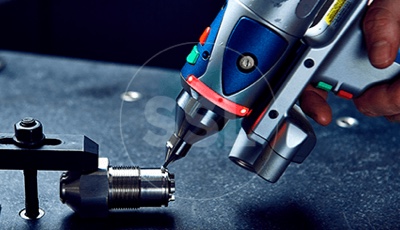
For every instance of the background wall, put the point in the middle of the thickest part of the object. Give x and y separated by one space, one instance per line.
127 31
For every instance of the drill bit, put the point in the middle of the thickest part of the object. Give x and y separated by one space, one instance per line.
176 148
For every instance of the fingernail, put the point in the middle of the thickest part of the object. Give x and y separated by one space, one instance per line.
380 54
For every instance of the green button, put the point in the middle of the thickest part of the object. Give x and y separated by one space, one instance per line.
324 86
193 56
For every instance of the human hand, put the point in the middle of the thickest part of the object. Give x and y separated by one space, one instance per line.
381 27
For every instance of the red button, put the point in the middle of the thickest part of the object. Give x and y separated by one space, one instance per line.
345 95
204 36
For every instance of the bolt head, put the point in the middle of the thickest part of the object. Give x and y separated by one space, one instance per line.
247 63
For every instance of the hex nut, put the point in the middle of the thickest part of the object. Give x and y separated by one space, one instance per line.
28 132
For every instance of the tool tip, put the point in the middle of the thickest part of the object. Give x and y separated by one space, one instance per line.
176 148
167 161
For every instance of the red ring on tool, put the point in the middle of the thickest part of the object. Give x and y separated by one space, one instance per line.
211 95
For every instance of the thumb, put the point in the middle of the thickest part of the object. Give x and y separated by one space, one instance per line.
382 32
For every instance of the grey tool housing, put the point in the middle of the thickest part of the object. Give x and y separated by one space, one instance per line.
216 88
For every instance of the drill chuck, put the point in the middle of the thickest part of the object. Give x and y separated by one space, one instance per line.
194 122
111 188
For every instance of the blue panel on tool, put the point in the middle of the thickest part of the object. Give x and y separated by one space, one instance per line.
250 37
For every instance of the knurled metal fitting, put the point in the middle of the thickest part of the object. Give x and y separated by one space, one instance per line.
109 188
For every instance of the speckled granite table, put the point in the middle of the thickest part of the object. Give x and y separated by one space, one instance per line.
350 181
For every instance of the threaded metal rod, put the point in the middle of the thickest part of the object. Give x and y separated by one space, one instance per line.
31 194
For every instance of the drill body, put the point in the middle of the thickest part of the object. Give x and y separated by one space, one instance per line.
254 61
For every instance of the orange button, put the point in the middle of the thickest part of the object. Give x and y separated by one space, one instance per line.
204 36
344 94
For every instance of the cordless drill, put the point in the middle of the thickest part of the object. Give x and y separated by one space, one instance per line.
253 63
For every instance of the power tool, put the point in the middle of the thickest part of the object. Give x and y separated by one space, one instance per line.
254 61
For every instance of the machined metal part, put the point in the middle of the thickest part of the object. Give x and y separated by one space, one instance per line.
110 188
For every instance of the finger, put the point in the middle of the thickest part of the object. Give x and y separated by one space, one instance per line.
313 103
394 118
382 32
381 100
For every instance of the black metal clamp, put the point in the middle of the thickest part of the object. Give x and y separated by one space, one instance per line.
28 149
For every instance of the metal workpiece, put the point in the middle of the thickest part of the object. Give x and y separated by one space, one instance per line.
114 188
292 142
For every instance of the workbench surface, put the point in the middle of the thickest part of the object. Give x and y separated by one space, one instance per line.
350 181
